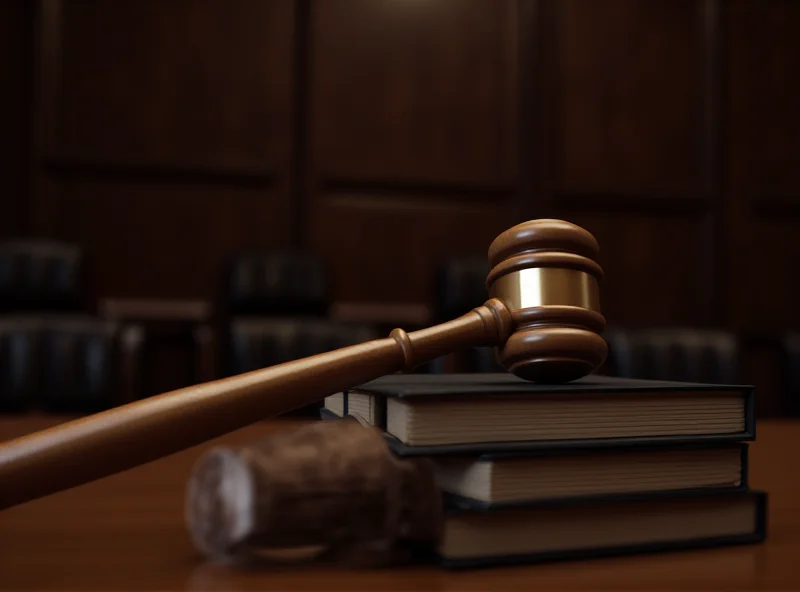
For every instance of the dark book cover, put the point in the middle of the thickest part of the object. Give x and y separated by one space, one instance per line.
755 534
500 385
504 383
743 448
562 446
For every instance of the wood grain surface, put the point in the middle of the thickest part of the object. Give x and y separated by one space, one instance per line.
127 533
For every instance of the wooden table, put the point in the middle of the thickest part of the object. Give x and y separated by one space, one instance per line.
127 533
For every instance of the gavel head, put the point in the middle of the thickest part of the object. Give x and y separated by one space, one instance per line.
546 274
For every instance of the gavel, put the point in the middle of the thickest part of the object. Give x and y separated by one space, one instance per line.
542 316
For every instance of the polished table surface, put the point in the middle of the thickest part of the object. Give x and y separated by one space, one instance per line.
126 532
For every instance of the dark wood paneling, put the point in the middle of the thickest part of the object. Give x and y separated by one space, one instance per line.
154 241
652 273
762 289
165 137
388 135
764 93
384 249
15 40
630 148
628 98
763 162
415 91
412 138
186 83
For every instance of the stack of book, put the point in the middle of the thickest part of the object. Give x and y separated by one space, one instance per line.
599 466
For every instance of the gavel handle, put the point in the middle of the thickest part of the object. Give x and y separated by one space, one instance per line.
112 441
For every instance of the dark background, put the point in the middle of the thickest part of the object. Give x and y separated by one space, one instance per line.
388 135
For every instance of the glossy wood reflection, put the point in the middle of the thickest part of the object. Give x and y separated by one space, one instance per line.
127 533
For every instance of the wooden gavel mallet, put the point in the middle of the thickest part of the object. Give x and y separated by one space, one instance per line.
543 316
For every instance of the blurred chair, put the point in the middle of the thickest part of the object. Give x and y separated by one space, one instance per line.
54 355
67 364
256 284
20 344
262 342
90 364
680 354
460 286
41 275
276 309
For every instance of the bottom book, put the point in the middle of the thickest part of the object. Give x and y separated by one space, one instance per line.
477 534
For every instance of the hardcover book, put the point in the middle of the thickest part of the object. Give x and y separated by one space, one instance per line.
503 478
482 413
480 535
596 467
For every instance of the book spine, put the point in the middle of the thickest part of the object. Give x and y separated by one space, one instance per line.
750 415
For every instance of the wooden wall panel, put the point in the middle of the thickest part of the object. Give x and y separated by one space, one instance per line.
412 145
165 137
627 151
763 94
182 83
652 276
147 240
763 163
15 40
762 289
419 92
388 135
627 84
385 250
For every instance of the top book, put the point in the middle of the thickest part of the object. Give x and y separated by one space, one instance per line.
467 413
